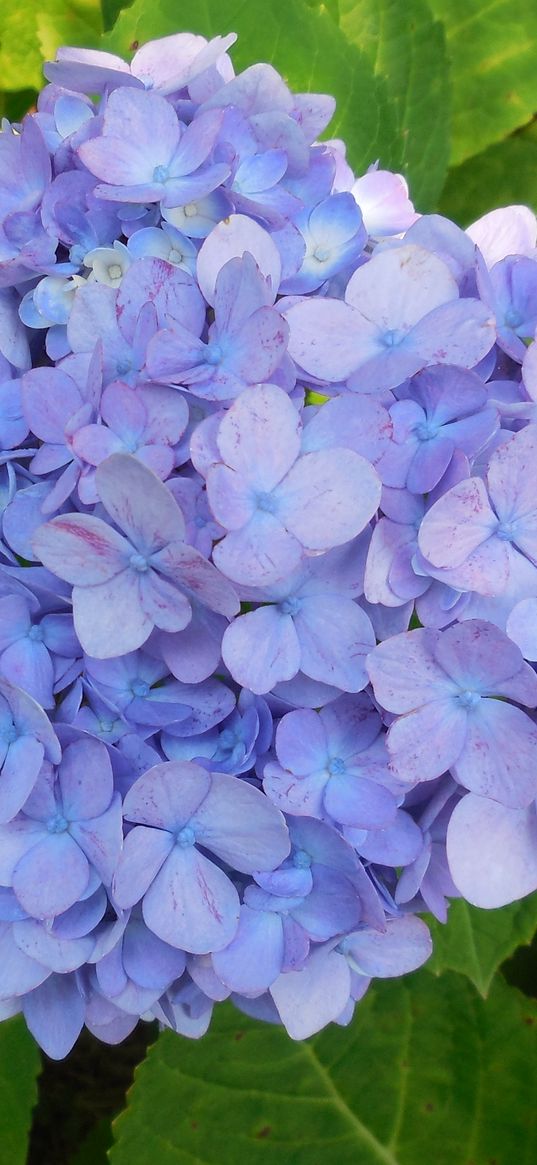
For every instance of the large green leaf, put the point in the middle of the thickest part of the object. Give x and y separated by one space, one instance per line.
407 49
31 33
303 43
427 1072
503 174
19 1066
493 45
475 942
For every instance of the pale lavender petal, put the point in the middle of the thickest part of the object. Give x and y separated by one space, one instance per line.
167 795
335 639
492 851
144 852
109 618
328 497
259 436
81 549
425 743
316 995
253 960
260 554
402 947
261 648
231 238
192 904
499 758
457 524
241 826
163 604
51 876
139 503
404 672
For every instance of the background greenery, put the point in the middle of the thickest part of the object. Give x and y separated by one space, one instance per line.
440 1067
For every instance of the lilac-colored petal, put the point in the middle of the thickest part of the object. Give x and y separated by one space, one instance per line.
19 774
404 672
109 618
28 664
259 554
55 1014
259 436
328 497
253 959
192 904
402 947
351 800
425 743
139 503
163 603
492 851
261 648
101 838
335 639
144 852
395 845
522 627
241 826
167 795
51 876
58 954
301 742
457 524
499 759
311 322
316 995
81 549
231 238
190 569
86 780
18 973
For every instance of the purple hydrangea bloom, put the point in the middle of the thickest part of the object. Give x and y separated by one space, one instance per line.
256 414
124 581
187 900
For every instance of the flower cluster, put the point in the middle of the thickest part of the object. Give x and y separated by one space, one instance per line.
268 557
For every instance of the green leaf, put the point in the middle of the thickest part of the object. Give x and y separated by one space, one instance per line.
475 942
31 33
110 10
427 1072
303 43
493 46
20 1064
93 1149
406 47
503 174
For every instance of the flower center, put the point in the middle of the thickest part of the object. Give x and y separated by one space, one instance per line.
138 562
186 837
266 502
469 699
336 766
161 174
57 824
301 859
290 606
35 634
140 688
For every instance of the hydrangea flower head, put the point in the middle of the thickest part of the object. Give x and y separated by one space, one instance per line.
268 568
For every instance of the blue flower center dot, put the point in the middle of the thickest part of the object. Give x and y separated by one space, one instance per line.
392 338
301 859
426 431
512 318
123 367
505 531
266 502
140 688
57 824
469 699
186 837
175 256
138 562
213 354
322 254
35 634
190 210
336 766
161 174
290 606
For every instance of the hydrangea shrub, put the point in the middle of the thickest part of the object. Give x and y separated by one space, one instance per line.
268 576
